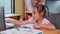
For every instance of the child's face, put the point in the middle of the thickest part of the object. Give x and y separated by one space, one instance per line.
35 14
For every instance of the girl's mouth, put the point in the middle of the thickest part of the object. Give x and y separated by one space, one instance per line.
36 20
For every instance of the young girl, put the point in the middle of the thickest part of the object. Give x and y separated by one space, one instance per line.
37 18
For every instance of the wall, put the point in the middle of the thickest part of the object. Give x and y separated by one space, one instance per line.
54 9
54 6
19 7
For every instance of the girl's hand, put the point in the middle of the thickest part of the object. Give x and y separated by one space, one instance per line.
36 26
9 20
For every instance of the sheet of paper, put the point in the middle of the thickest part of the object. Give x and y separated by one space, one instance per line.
22 30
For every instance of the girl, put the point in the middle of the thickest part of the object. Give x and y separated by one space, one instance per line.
37 18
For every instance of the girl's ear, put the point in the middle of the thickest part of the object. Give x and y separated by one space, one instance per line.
42 14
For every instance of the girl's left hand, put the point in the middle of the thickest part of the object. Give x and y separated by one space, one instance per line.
36 25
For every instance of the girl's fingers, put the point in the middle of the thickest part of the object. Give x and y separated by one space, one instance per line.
8 20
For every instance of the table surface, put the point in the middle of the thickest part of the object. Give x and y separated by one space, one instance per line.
21 31
44 31
50 31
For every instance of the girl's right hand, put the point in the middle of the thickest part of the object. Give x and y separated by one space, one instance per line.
9 20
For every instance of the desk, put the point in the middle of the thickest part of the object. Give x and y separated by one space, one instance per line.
44 31
21 31
50 31
12 15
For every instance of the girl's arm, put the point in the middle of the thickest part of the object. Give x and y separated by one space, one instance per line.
17 22
48 26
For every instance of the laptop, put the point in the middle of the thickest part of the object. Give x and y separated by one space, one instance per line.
2 19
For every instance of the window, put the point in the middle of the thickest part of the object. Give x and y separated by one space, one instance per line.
8 6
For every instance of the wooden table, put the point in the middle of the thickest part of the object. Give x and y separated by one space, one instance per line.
50 31
44 31
12 15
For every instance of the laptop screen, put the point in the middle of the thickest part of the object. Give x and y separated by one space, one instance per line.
2 19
